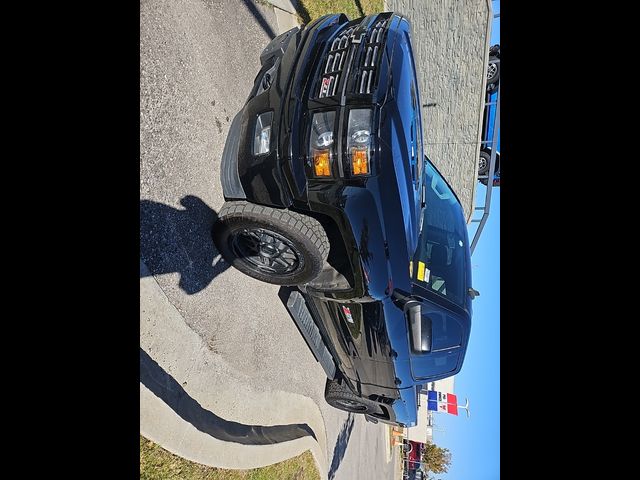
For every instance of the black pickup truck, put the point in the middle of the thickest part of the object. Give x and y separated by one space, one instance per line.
327 189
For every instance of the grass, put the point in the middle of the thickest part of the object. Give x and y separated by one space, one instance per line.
156 463
311 9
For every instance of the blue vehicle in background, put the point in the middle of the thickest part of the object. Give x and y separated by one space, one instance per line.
493 80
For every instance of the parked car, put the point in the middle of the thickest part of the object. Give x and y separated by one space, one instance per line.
493 79
493 70
327 189
412 459
414 456
485 150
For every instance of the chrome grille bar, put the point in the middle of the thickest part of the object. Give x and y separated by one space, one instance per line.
370 58
334 64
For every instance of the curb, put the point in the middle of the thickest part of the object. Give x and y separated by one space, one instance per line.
286 15
286 5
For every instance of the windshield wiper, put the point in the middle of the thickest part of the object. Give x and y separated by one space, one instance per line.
423 203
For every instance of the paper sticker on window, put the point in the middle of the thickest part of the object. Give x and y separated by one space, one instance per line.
423 272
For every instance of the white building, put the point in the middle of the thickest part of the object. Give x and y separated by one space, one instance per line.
423 431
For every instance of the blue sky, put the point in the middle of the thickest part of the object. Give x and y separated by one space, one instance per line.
475 442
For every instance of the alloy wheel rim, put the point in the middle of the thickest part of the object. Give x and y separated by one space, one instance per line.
491 71
266 251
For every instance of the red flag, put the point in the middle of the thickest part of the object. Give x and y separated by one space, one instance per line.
452 404
447 403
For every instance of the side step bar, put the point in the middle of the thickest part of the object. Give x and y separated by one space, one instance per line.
300 313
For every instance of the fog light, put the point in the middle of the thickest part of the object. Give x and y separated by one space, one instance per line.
262 134
321 164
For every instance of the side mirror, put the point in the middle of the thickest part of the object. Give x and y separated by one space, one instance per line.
473 293
419 328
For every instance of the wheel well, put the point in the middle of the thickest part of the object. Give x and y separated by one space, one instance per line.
339 268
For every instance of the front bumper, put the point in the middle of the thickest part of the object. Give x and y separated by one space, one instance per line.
274 179
237 138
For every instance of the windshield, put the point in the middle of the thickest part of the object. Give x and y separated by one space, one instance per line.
442 254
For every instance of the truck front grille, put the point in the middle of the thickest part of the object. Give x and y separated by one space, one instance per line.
354 52
334 64
371 57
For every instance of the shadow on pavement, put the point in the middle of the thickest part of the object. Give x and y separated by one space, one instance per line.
174 240
260 18
165 387
341 445
302 11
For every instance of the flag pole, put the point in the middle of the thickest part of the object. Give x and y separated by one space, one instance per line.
466 408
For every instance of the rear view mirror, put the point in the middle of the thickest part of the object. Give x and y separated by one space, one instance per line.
419 329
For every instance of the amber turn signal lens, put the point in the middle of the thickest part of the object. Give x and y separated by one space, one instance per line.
359 161
321 165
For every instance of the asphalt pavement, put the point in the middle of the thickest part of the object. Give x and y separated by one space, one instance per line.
221 360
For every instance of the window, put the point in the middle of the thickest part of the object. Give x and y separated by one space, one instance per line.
442 256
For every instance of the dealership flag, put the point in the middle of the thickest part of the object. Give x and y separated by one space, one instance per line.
432 400
442 402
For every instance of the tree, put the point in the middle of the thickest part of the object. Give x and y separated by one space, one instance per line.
436 459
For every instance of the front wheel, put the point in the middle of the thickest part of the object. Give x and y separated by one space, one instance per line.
483 162
493 74
272 245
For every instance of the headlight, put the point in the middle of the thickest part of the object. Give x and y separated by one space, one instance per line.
262 134
321 143
359 141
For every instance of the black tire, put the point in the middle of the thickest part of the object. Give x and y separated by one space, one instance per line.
493 74
483 162
258 239
339 396
496 170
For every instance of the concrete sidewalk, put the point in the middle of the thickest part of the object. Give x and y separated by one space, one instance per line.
286 16
193 408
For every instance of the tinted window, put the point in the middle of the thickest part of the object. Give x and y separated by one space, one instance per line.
436 363
442 255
